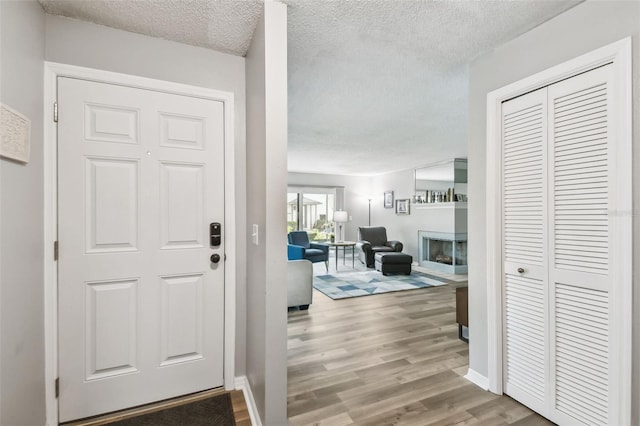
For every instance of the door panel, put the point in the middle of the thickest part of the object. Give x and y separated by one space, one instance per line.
111 325
582 353
111 124
140 304
524 182
181 200
579 123
111 209
182 312
525 330
179 131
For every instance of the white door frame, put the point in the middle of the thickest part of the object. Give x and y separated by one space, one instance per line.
619 54
54 70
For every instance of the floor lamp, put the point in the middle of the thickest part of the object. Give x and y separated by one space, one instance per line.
370 211
340 217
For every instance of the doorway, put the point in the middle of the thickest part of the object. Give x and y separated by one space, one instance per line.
121 181
555 280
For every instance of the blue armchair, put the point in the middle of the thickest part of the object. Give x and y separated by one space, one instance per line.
299 247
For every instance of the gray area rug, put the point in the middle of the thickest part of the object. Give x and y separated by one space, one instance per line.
214 411
355 284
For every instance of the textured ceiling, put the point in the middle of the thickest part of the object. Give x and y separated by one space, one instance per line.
378 86
222 25
374 86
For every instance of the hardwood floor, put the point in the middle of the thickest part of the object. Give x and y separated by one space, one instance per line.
387 359
240 410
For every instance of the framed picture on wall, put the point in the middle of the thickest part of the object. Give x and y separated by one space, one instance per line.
388 199
402 206
15 134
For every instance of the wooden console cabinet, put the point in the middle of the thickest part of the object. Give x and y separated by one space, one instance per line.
462 310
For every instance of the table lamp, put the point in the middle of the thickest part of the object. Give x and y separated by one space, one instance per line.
340 217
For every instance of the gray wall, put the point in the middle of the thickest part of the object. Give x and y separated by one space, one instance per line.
584 28
22 387
356 192
94 46
421 218
266 82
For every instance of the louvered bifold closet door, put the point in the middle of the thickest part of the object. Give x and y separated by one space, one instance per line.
580 190
524 153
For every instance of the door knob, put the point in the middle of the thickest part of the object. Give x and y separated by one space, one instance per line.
215 258
521 270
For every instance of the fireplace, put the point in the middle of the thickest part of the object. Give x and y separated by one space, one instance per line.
443 251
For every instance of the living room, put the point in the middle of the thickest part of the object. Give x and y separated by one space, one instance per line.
363 198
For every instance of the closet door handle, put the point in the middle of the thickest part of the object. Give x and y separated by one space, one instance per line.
521 270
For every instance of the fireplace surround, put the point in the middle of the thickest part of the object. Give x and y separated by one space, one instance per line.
442 251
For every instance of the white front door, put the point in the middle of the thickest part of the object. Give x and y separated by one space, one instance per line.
140 178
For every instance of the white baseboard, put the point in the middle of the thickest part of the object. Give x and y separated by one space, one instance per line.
477 379
242 383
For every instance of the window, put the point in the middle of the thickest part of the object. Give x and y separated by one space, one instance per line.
311 211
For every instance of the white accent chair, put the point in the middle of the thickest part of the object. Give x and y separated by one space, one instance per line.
299 283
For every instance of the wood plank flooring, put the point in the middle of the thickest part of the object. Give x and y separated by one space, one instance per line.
240 410
388 359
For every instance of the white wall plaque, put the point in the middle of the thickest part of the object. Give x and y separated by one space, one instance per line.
15 134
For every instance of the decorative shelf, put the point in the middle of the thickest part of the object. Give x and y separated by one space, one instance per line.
455 204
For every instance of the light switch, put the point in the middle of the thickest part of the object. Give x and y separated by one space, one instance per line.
254 234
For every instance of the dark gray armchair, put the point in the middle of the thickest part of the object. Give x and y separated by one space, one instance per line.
372 240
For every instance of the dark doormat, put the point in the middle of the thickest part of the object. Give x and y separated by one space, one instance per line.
216 410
